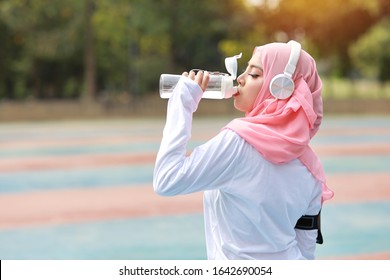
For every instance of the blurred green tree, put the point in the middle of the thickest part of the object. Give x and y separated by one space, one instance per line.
126 44
47 36
331 25
8 51
371 53
105 48
177 35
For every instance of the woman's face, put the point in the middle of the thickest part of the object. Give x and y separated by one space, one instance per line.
249 84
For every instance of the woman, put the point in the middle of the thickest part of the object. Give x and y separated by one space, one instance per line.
259 175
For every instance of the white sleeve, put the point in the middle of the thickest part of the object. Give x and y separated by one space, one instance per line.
209 166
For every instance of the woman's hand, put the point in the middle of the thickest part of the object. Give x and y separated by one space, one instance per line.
201 78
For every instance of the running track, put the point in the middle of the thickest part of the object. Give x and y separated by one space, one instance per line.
83 190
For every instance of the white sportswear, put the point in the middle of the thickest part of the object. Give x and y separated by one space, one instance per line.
251 205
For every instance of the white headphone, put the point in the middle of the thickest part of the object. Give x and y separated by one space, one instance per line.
282 85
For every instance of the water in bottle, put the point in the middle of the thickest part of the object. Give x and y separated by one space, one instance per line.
220 86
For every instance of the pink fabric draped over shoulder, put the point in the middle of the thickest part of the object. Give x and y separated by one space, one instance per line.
281 130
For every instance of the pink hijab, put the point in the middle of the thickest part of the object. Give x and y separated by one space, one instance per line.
280 130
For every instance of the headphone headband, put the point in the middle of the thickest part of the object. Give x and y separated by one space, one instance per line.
293 60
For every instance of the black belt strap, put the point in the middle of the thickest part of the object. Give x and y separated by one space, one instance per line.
308 222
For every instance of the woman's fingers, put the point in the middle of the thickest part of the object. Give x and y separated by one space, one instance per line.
205 80
192 75
200 77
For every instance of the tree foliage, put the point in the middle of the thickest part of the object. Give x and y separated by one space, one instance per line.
331 26
43 50
371 53
45 40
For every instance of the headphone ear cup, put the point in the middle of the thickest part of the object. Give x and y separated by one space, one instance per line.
281 86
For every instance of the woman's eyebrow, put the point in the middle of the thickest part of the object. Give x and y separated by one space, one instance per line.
255 66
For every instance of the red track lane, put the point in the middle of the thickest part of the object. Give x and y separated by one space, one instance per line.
85 161
362 187
69 206
373 256
344 130
73 162
101 140
352 149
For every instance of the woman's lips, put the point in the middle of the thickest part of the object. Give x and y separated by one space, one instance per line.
236 94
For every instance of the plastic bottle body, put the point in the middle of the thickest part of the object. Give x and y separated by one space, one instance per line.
219 86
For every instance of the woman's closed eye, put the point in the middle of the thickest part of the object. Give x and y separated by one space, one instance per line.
254 75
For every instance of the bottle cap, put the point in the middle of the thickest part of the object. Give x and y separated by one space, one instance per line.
231 65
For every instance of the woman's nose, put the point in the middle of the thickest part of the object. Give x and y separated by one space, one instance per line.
240 79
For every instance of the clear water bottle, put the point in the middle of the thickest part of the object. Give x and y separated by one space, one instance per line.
220 86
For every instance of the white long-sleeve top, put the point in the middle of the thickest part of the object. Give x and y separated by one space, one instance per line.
251 205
